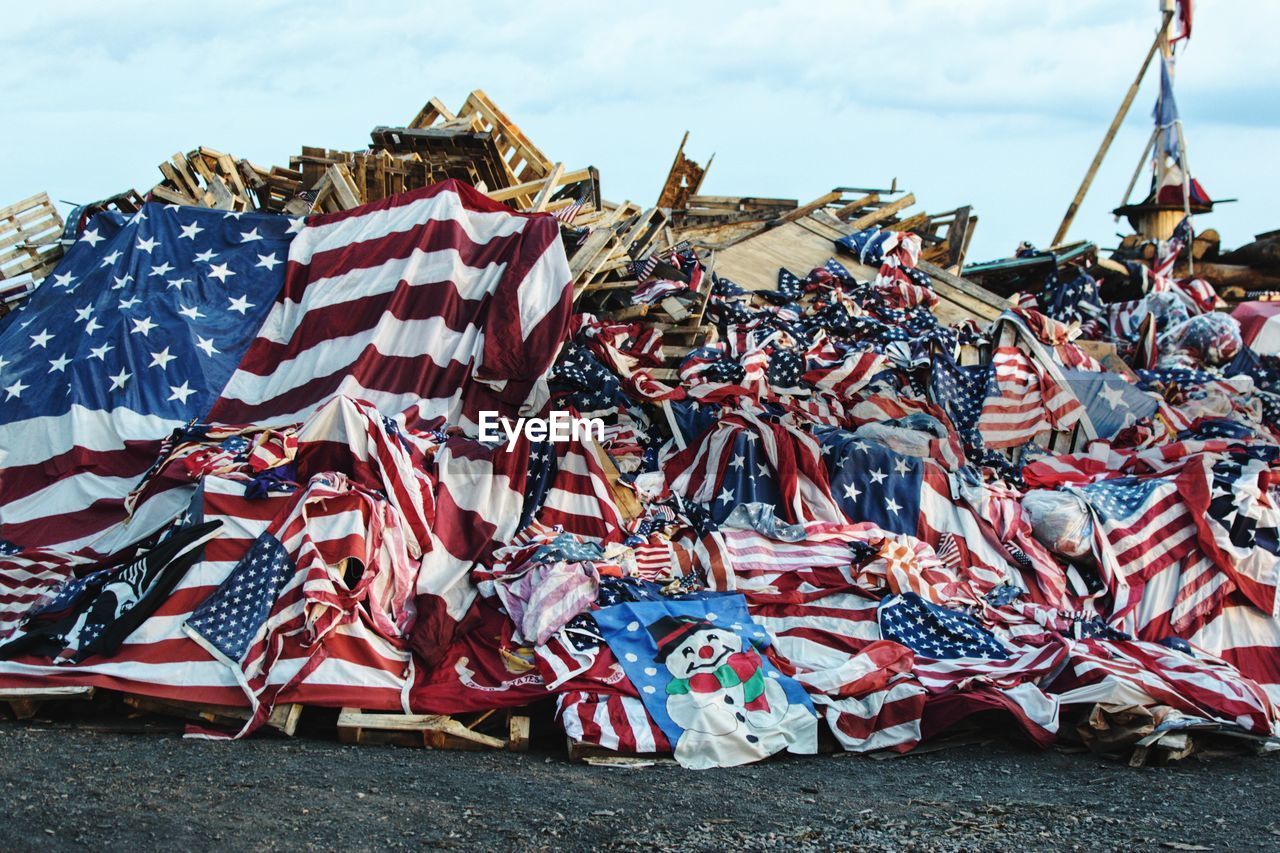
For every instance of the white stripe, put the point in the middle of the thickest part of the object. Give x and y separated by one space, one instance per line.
419 269
443 207
34 440
430 338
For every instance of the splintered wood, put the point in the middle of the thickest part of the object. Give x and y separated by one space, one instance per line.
485 730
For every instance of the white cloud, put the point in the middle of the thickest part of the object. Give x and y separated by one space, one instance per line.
998 104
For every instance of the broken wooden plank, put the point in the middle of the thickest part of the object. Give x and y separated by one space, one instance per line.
284 717
434 731
25 702
880 214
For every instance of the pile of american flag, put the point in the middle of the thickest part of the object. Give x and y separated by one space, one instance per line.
239 465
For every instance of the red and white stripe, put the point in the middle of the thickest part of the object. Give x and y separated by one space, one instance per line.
437 300
1028 402
610 720
1149 673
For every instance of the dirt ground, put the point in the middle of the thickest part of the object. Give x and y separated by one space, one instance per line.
138 785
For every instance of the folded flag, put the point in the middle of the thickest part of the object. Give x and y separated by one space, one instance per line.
95 613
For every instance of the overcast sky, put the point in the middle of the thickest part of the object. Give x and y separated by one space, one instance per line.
995 103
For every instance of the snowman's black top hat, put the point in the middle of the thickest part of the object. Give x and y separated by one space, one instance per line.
670 631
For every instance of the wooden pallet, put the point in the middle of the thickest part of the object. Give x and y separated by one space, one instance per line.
436 731
30 231
26 702
284 718
204 178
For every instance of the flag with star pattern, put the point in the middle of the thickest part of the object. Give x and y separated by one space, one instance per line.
935 632
133 335
873 483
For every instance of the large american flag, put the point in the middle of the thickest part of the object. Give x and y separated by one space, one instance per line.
399 304
133 335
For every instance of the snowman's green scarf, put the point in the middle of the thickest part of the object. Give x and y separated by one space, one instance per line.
742 668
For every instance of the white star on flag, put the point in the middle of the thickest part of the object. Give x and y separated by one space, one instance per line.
161 359
190 230
220 272
147 245
181 392
118 381
91 237
1114 396
16 389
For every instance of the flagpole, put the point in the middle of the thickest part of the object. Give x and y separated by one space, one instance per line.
1142 161
1166 54
1074 207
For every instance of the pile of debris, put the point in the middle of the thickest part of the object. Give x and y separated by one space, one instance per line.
827 486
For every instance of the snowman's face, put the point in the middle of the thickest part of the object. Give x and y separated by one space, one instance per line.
703 651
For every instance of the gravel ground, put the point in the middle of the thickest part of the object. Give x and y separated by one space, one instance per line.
135 786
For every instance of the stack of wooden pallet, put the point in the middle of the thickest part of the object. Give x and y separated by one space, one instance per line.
744 237
30 231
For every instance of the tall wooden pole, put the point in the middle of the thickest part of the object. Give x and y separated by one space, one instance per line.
1111 134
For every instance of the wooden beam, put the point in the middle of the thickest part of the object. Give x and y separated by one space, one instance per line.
857 204
548 187
804 210
566 178
880 214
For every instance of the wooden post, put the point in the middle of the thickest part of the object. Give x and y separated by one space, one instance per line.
1142 161
1110 135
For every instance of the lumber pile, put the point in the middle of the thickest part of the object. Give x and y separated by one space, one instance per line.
477 143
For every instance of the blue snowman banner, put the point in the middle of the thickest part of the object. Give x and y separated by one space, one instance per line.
698 666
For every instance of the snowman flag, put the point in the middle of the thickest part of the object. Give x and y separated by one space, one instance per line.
698 667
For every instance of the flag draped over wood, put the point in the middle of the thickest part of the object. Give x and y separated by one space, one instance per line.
437 304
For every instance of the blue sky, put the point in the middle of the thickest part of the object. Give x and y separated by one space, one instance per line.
995 103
